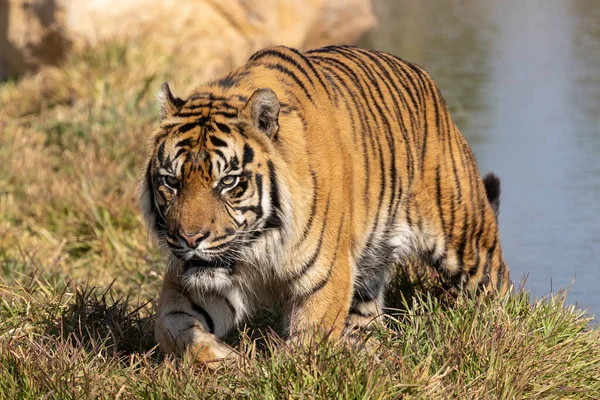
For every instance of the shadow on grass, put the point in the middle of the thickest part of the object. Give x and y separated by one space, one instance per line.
92 317
99 318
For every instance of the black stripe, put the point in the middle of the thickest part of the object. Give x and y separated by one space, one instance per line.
167 130
359 83
283 56
389 82
313 258
487 267
221 247
387 129
324 281
201 110
438 185
209 170
467 234
259 189
257 209
234 163
187 127
413 75
230 211
179 153
455 170
228 82
274 220
185 142
220 154
223 128
312 68
193 112
393 92
393 62
289 73
460 252
161 153
500 275
226 114
219 238
210 97
332 76
407 85
217 142
480 213
313 207
355 311
327 49
350 74
207 318
453 204
336 90
248 156
436 108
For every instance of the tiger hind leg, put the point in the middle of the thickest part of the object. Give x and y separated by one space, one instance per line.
365 314
366 311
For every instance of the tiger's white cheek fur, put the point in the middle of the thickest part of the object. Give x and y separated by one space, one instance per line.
239 218
269 254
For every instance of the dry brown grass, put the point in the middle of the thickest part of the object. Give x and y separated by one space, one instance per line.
72 142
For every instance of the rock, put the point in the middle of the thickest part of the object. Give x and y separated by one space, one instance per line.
31 34
218 33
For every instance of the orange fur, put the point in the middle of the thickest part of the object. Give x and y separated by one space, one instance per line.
299 180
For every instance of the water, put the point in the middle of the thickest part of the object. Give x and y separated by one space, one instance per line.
522 79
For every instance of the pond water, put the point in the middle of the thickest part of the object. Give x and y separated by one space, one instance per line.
522 79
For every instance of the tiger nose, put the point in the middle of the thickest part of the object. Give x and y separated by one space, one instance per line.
193 239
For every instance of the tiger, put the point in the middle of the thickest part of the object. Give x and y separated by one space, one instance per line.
298 181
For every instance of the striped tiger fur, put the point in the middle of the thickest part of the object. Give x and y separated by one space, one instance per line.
299 180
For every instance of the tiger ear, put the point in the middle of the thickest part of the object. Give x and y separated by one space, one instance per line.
168 103
263 110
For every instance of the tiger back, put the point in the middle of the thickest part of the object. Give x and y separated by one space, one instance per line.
301 180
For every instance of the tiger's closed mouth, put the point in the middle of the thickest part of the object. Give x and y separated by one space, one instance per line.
201 264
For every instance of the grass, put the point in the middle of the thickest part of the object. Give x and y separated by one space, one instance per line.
78 275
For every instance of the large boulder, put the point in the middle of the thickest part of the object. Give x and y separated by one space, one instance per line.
213 34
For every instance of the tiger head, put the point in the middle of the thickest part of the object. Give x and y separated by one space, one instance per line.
210 186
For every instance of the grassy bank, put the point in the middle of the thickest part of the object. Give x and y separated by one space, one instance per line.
74 343
72 142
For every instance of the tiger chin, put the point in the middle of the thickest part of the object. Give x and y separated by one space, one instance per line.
299 181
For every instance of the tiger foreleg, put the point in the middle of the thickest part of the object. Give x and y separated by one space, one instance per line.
192 330
325 301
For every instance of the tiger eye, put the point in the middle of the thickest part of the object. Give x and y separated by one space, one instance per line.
229 181
171 181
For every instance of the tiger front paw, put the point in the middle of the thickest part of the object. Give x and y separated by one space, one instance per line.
185 336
